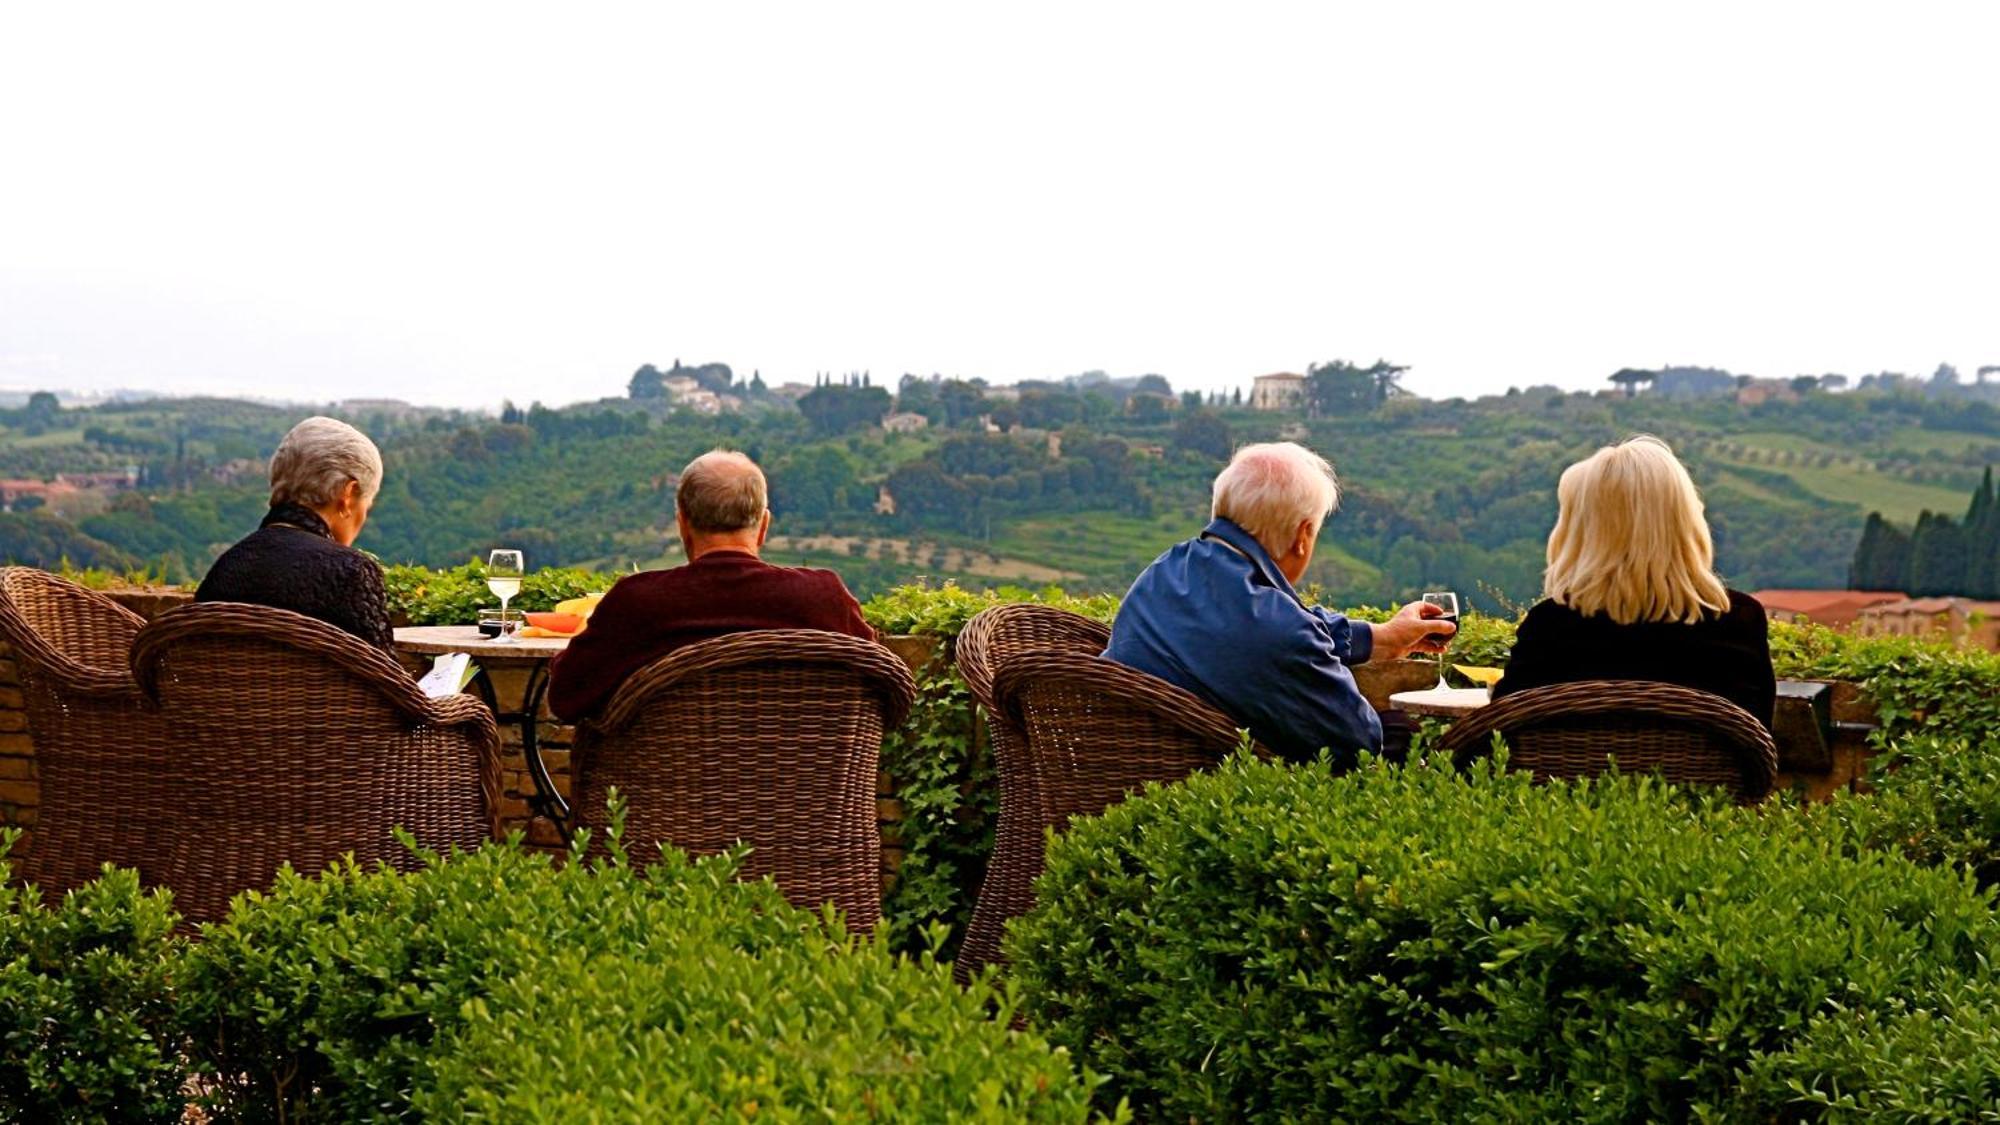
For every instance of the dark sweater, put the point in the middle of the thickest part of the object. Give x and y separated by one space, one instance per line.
646 616
291 562
1725 654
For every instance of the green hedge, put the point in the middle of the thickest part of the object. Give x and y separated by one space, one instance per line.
503 986
1270 943
500 986
940 769
88 1031
419 595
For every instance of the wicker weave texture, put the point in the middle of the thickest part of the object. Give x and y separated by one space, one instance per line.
99 748
294 742
1578 729
1095 732
769 738
989 640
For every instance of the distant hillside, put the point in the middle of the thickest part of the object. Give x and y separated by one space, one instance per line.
1084 490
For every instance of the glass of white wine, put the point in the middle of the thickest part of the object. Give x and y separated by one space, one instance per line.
504 571
1448 602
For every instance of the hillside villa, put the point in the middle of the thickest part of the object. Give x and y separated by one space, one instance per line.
1283 390
1963 620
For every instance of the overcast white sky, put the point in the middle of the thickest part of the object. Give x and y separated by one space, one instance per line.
459 203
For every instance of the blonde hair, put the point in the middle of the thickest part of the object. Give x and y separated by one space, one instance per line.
317 459
1269 489
1630 539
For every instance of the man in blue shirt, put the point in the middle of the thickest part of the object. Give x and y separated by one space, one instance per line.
1217 615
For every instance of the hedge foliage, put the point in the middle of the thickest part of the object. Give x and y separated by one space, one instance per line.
420 595
1269 943
500 986
939 766
88 1031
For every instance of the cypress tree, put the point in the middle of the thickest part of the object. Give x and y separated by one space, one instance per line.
1881 559
1938 559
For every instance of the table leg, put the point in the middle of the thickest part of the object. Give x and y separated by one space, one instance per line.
545 801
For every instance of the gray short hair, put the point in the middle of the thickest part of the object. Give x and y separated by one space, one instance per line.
318 458
1269 489
721 490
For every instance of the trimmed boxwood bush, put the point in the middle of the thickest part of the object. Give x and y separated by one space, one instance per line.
1265 942
509 983
87 1026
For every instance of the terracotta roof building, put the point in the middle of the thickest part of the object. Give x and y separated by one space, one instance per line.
1836 609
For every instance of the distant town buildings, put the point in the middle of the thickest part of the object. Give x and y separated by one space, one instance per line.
1283 390
58 494
1836 609
904 423
1958 619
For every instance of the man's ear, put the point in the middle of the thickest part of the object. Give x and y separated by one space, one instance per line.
1302 540
764 527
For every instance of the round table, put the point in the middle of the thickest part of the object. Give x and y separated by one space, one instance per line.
1442 703
528 654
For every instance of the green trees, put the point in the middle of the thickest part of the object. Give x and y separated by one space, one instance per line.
1202 432
1340 387
835 409
1940 556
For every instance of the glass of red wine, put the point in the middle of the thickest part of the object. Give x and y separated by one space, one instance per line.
1448 602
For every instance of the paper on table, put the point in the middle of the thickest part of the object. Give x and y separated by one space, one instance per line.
448 675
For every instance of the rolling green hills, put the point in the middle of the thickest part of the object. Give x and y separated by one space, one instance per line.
1451 494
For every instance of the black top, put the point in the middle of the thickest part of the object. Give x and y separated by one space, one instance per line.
291 562
1727 654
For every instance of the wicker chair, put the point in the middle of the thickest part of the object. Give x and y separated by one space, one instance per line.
1097 731
987 641
1579 729
99 748
771 738
292 741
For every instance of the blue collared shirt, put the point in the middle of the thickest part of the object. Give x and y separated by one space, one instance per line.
1216 617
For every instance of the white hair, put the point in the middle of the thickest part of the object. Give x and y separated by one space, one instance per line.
318 458
1269 489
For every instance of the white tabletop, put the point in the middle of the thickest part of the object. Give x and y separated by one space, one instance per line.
429 640
1442 702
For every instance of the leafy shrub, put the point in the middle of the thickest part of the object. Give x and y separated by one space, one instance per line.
1266 942
87 1028
689 1031
421 596
942 774
1936 1062
367 994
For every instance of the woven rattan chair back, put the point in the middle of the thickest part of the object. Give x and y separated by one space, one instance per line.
1579 729
769 738
1098 731
291 741
99 748
988 640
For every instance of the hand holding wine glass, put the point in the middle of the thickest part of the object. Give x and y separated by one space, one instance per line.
504 571
1447 604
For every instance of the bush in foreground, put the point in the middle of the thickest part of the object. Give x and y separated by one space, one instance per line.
87 1027
1265 942
498 985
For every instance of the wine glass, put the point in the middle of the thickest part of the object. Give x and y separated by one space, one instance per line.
1448 602
504 571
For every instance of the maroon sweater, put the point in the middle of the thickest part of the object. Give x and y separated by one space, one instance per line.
646 616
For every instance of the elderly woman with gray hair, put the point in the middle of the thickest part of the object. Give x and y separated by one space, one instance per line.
324 477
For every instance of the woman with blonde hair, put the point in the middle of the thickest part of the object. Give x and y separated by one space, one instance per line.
1631 592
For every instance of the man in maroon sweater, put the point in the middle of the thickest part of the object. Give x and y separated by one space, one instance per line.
723 517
